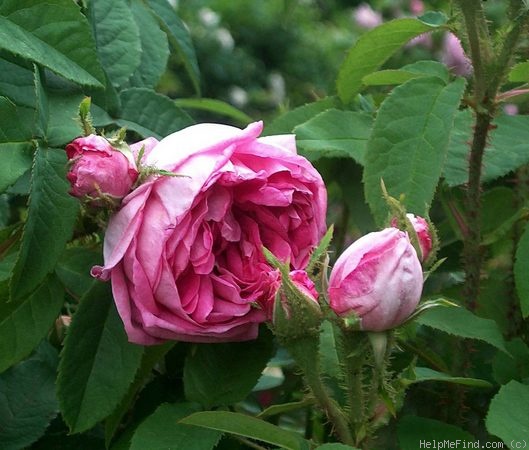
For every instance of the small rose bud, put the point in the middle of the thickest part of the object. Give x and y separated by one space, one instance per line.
378 278
99 169
296 312
423 234
301 280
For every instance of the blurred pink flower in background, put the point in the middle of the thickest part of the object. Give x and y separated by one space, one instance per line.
454 56
510 109
416 7
367 17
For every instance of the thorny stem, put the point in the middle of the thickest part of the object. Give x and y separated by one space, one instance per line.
489 72
352 349
305 352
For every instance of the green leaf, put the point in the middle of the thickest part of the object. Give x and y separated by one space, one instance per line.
508 416
15 160
335 446
161 431
53 34
15 146
408 144
222 374
286 122
178 37
27 399
427 374
505 151
17 82
97 364
519 72
117 38
214 106
51 218
461 322
373 49
151 356
415 70
73 269
247 426
432 68
514 366
15 122
24 324
413 430
389 77
335 133
151 114
42 113
154 47
63 126
520 272
275 410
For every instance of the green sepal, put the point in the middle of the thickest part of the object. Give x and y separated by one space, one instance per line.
424 306
398 214
318 256
85 118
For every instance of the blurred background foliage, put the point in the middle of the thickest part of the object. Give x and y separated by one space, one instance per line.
266 57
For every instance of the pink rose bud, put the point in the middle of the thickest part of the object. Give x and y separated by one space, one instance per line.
423 233
378 278
97 168
305 285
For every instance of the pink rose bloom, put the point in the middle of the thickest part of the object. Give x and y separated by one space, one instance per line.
366 17
302 281
379 278
454 56
422 229
184 254
97 168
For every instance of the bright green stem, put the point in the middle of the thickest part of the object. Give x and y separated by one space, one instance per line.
305 351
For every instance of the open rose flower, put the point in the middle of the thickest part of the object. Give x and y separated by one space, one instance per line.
99 169
378 278
184 254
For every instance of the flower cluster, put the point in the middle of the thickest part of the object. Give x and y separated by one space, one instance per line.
185 254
